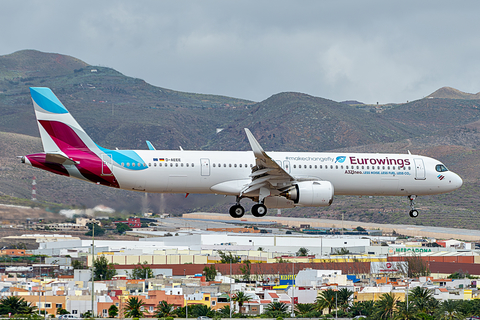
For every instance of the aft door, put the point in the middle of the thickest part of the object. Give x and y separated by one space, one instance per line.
205 164
419 169
107 165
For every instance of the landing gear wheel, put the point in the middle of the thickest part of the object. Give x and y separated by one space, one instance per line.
413 213
237 211
259 210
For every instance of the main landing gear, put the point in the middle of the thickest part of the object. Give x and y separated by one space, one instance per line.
413 212
237 211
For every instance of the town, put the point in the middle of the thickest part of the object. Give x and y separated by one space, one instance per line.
206 265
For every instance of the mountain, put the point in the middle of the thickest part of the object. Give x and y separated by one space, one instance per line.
451 93
120 111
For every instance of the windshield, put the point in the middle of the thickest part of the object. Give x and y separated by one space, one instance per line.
440 168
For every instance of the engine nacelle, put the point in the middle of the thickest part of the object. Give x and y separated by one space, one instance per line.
311 194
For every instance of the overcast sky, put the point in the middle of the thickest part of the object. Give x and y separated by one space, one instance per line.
371 51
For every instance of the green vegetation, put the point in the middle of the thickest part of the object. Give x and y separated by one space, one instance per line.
103 270
142 271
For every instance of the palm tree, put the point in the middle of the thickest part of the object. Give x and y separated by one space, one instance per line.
164 309
15 305
304 308
406 312
362 308
224 312
133 308
327 299
276 309
343 296
423 300
449 310
386 306
240 298
201 310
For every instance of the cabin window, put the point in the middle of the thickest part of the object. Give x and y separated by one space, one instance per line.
235 165
320 166
187 164
160 164
362 167
336 167
383 168
409 168
310 166
331 167
246 165
224 165
176 164
294 166
346 167
181 164
240 165
393 168
214 165
149 164
193 165
229 165
123 164
388 168
341 167
315 166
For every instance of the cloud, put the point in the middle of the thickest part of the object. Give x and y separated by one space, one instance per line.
365 50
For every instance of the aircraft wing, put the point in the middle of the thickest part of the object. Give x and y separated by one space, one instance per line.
267 173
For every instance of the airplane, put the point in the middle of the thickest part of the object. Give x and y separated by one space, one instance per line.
270 179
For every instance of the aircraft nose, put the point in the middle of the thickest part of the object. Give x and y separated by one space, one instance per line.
456 181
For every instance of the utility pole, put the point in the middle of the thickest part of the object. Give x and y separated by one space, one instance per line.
93 267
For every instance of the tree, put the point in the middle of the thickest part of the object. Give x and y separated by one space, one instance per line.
276 309
122 227
302 252
15 305
362 308
449 310
164 309
133 308
343 296
386 306
245 269
62 311
224 312
112 311
228 257
103 269
422 299
77 264
201 310
406 311
417 267
210 272
142 271
303 309
240 298
99 231
327 299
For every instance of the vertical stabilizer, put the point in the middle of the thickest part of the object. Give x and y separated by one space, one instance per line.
58 129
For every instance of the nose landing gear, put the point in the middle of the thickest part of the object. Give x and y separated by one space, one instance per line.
413 212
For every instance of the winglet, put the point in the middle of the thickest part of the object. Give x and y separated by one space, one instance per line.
150 145
256 147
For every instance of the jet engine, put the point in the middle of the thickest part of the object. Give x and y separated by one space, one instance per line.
311 194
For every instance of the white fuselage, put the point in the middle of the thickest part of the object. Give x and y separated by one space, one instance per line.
227 172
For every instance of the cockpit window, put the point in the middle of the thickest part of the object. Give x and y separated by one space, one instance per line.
440 168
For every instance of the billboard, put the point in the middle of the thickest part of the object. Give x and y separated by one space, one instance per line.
389 267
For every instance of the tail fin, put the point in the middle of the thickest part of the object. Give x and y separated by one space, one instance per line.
59 131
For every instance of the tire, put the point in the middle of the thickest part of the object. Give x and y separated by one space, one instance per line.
413 213
237 211
259 210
